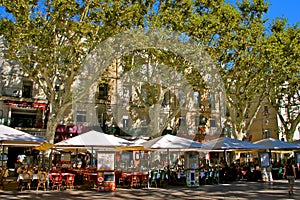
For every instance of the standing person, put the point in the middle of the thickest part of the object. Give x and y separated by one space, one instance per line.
290 174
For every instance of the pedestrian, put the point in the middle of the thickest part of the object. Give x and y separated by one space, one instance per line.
290 174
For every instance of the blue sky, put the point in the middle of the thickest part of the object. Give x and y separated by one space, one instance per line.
284 8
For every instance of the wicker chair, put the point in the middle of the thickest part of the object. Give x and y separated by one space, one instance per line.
26 181
42 180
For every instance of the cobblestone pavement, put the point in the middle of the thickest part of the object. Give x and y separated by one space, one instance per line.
240 190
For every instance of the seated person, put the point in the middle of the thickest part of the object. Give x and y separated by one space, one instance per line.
20 177
34 178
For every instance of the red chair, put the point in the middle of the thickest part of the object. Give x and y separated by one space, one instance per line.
70 181
135 180
122 179
56 180
145 179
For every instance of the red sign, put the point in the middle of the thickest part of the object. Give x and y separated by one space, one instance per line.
100 179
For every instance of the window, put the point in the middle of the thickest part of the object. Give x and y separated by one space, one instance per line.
27 89
144 120
144 94
181 98
126 94
197 121
125 122
203 120
81 116
182 121
103 91
196 99
167 99
212 101
213 122
102 117
266 133
266 110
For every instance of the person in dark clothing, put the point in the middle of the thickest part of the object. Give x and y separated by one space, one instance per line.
290 174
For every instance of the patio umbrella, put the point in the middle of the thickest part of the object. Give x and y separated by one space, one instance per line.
93 139
226 143
172 142
297 142
13 137
140 141
274 144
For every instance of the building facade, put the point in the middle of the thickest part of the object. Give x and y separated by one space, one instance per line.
22 105
265 123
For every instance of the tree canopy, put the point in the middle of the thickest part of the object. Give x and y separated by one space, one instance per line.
281 50
51 39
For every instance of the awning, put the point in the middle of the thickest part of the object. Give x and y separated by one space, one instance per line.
44 146
132 148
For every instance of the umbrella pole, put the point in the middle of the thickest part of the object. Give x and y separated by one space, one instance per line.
225 159
2 157
76 156
168 156
92 157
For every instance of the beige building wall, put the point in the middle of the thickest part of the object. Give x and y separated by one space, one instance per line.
265 123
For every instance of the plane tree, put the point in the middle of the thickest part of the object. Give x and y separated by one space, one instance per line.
51 39
281 51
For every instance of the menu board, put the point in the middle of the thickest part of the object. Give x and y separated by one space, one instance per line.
264 159
298 157
105 160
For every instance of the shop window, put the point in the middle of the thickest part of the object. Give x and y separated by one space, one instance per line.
27 89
